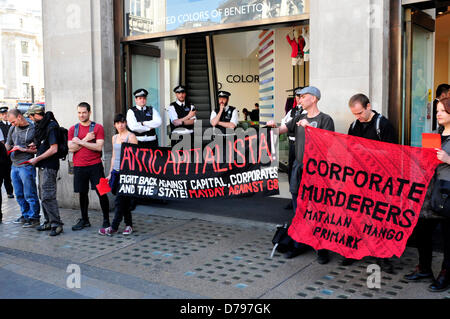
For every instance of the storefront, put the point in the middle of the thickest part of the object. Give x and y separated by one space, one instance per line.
244 47
103 50
426 60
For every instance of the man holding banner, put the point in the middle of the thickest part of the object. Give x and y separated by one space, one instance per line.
374 126
309 98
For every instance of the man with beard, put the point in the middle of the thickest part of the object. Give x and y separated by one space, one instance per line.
225 117
86 140
47 162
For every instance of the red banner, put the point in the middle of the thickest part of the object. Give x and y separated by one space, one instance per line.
360 197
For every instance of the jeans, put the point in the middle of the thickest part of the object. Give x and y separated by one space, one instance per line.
24 183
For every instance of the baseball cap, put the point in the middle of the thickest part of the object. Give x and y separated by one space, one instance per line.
310 90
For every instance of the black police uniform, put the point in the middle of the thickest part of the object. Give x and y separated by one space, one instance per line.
227 115
146 114
181 111
6 171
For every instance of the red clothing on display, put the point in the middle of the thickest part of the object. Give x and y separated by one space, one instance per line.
294 46
87 157
297 46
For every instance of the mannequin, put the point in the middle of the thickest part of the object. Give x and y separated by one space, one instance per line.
305 36
297 44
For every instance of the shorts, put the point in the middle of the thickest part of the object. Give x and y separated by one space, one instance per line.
83 174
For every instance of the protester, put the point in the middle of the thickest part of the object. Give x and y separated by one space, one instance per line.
23 174
86 141
182 116
4 127
442 91
429 220
309 98
295 110
225 117
143 120
374 126
122 203
47 162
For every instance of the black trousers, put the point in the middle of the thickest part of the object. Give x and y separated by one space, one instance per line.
291 159
122 211
2 173
150 144
7 178
424 235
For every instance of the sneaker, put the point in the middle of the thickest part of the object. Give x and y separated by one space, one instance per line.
128 230
81 224
44 227
106 223
56 231
31 223
106 231
20 220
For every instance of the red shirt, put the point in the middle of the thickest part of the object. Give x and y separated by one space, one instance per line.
87 157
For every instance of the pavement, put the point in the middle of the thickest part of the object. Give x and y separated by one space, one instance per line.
183 254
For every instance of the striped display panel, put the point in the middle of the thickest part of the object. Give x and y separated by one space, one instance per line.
266 59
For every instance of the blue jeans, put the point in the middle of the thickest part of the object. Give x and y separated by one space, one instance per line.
24 183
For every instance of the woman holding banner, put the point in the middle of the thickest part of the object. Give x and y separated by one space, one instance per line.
435 211
122 203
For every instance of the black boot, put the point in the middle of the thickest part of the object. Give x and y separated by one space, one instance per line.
323 256
347 261
442 282
296 250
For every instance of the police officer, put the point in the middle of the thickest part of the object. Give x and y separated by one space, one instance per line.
4 126
290 115
225 116
182 115
143 120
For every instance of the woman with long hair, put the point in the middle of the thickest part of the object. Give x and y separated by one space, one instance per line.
429 220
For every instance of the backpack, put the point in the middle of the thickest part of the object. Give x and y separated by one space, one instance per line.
63 146
77 128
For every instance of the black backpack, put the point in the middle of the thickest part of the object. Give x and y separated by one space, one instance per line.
63 146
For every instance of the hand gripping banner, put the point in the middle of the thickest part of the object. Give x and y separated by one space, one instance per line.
360 197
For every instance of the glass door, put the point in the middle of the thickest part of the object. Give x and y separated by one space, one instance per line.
143 71
422 84
419 73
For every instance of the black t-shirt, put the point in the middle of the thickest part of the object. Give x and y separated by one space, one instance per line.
369 130
444 138
51 162
322 121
